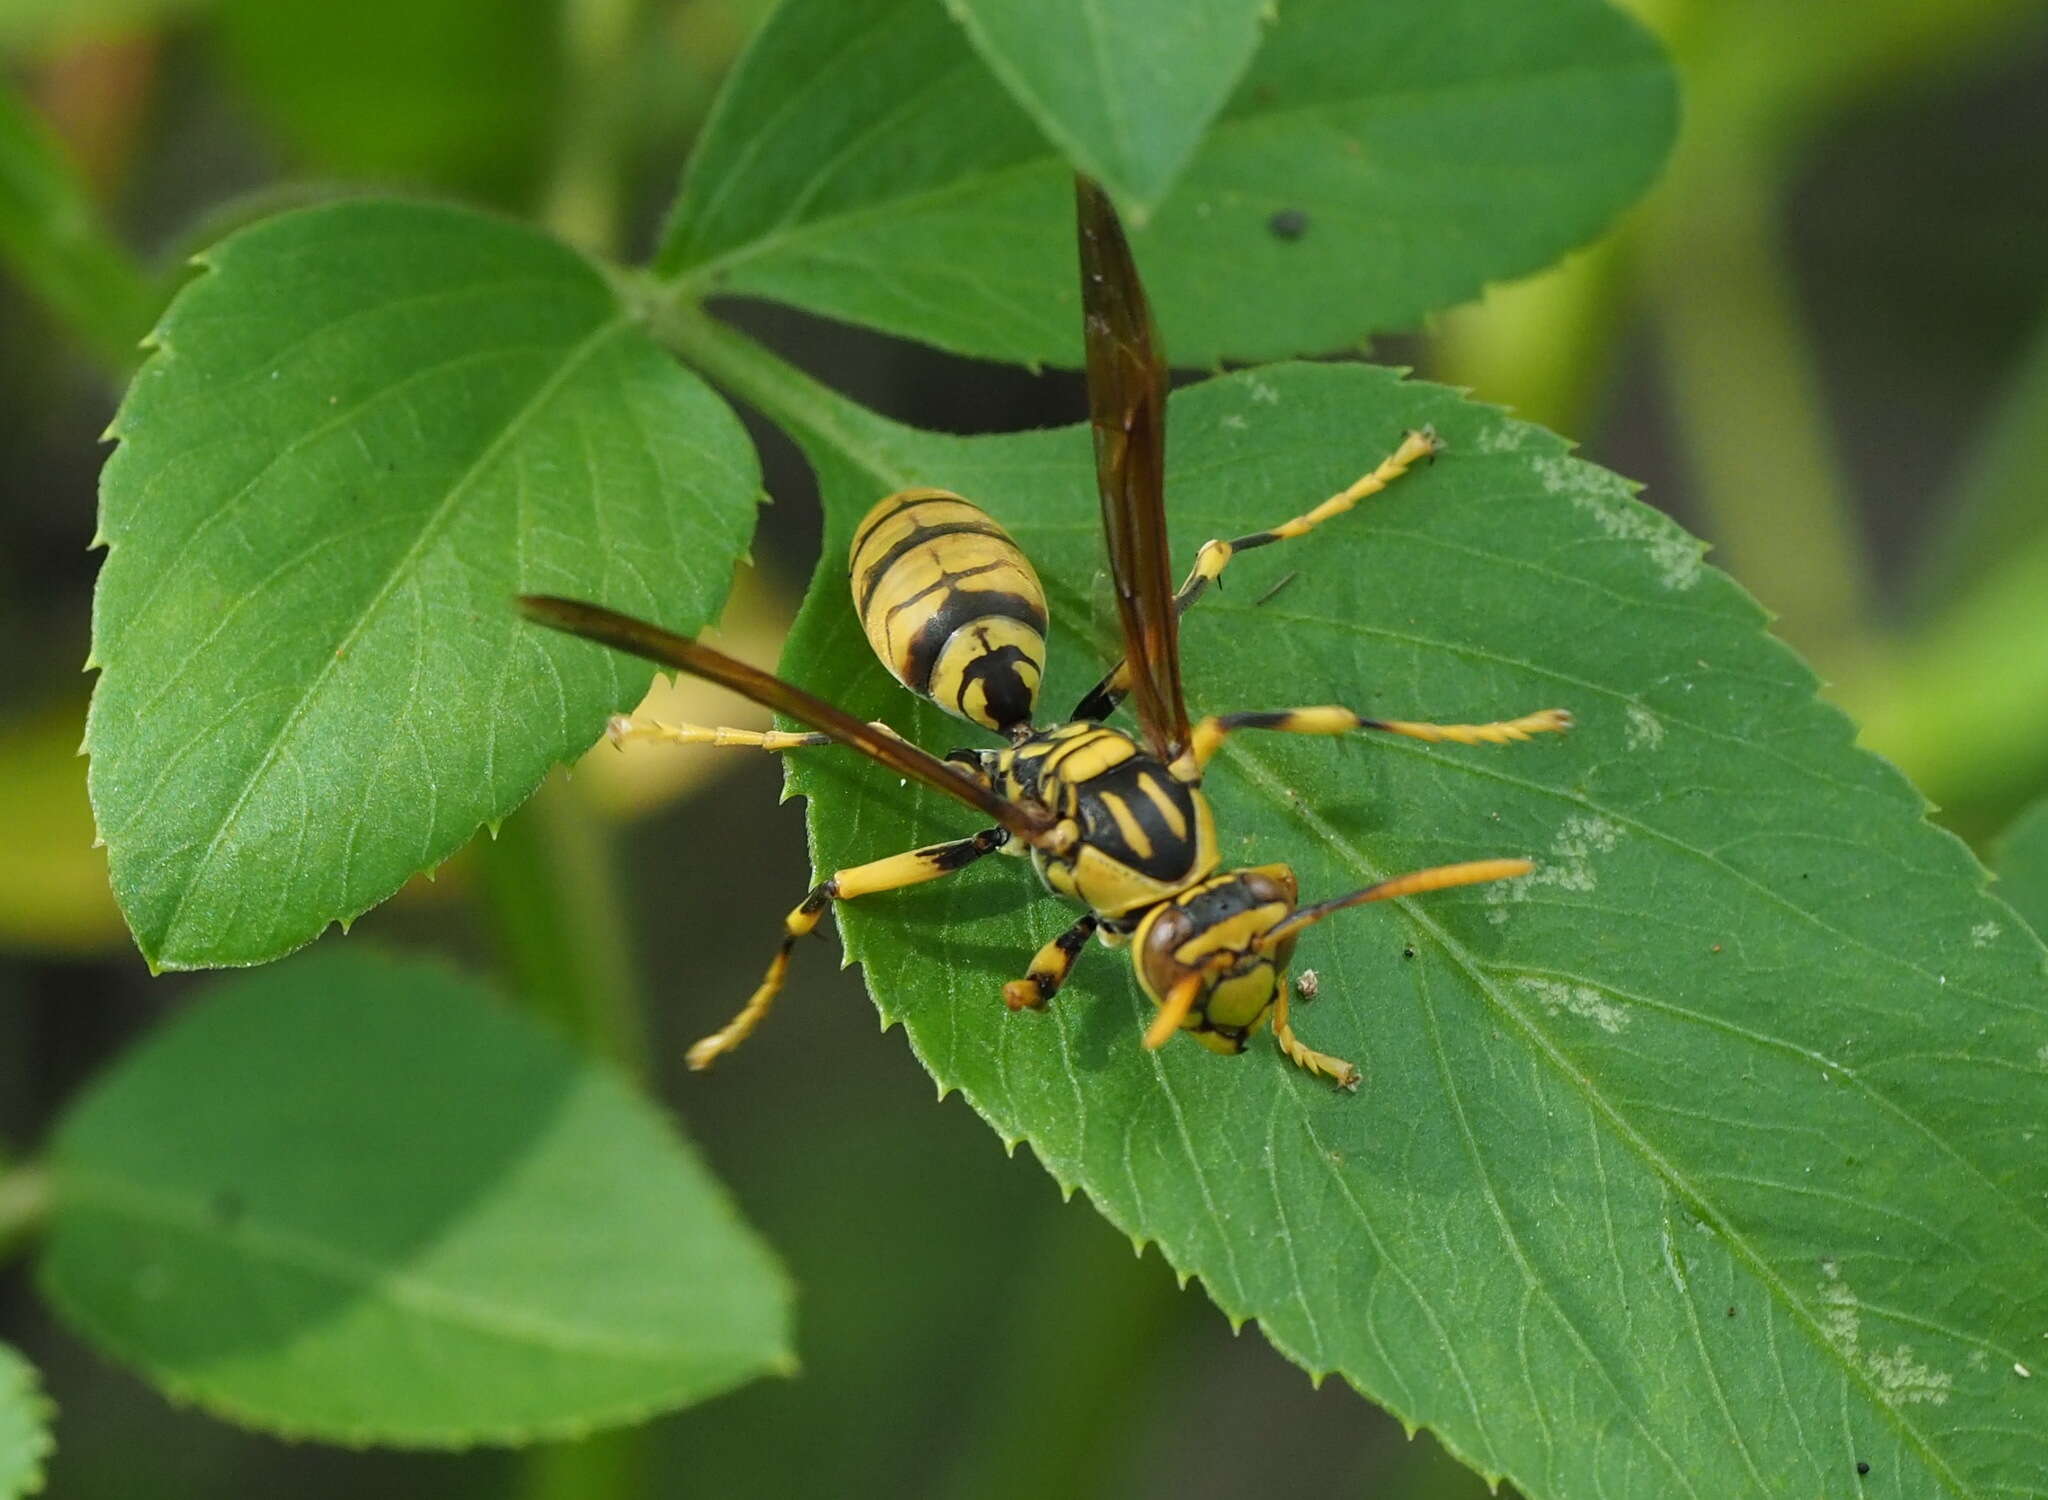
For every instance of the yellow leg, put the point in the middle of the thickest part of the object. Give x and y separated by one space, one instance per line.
893 873
1179 1001
1216 555
1415 883
623 727
1210 733
1345 1075
1050 967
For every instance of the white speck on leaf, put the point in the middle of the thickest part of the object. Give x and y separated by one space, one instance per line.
1509 437
1984 934
1234 421
1579 1000
1901 1379
1262 393
1645 729
1568 866
1608 500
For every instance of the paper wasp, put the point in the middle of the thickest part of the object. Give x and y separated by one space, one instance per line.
1116 823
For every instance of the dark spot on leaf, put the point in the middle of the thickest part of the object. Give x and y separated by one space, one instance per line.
1408 950
1862 1467
1288 224
1731 1312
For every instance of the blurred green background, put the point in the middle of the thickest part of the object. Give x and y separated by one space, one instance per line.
1820 343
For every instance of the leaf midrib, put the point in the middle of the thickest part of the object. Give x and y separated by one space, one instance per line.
1258 773
400 569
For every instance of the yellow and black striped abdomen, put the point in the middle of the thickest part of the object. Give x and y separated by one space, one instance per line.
951 606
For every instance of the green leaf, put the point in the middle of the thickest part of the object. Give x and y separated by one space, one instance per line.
1125 90
359 1200
2023 867
1698 1163
364 429
24 1426
863 164
52 238
465 90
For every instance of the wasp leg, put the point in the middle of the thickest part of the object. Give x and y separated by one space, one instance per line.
1345 1075
1210 733
1172 1011
622 727
1216 554
911 868
1415 883
1050 967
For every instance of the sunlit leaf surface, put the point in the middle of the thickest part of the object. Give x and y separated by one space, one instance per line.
1377 162
1703 1162
1127 89
365 428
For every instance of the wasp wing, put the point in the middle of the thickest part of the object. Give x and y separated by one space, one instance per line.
624 633
1127 407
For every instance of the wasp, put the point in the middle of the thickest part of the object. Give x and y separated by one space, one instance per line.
1114 822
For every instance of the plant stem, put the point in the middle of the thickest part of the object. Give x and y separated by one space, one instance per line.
608 1466
583 193
24 1207
52 235
1544 346
1748 405
814 413
553 902
1056 1389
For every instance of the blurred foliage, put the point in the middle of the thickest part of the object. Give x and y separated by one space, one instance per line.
1841 164
54 896
468 94
415 1268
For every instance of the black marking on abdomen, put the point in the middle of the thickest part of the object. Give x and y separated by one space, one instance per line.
945 581
872 577
1008 696
963 608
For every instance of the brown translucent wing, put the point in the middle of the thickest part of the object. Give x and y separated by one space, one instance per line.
624 633
1127 405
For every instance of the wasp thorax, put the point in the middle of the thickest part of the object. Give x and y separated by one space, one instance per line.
1219 933
951 606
